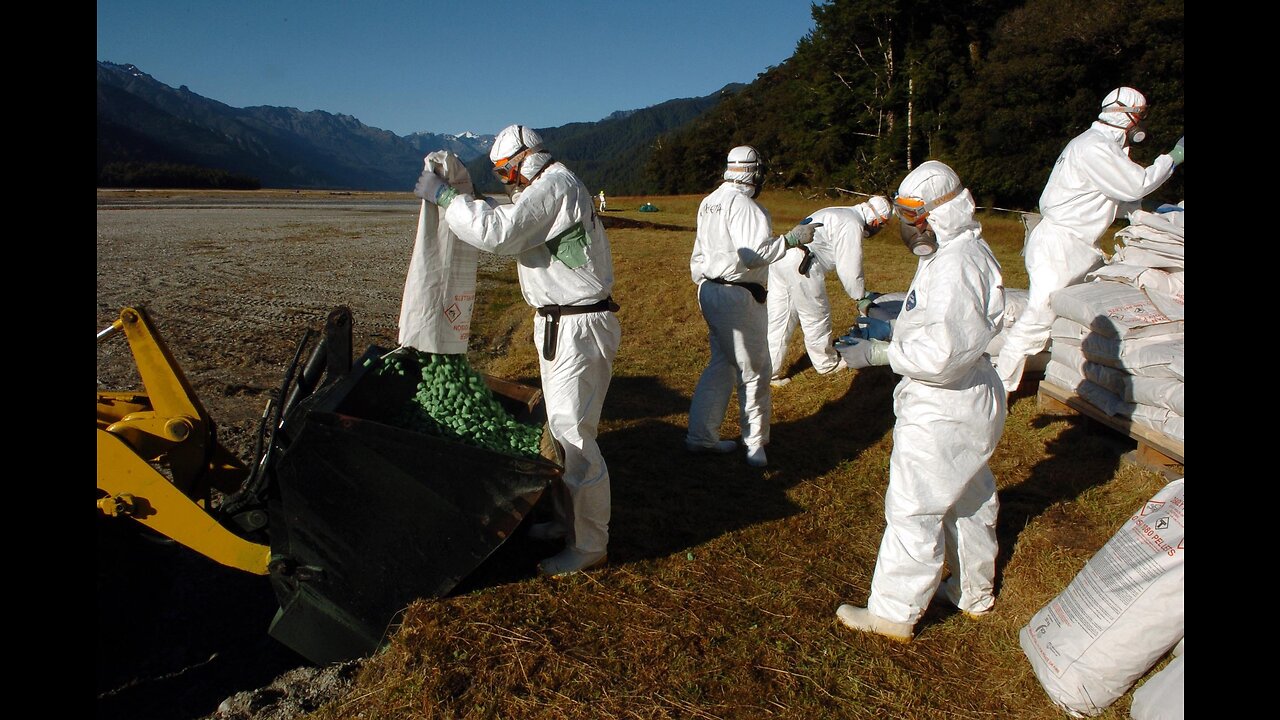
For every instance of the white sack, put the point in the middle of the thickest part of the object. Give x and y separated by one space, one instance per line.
1067 329
1119 615
1168 224
1160 697
1143 278
1165 392
1116 310
1146 258
1151 356
1063 375
440 289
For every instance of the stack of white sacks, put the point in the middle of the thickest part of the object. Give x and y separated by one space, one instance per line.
1118 339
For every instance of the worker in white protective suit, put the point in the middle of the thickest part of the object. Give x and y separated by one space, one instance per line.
730 265
941 502
565 267
798 283
1092 179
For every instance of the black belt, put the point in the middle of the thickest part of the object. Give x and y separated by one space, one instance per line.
552 313
756 289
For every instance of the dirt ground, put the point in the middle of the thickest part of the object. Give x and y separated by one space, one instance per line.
231 281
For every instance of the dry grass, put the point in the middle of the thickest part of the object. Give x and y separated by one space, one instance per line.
719 599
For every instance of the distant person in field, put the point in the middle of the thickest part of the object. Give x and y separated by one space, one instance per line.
1092 179
940 506
798 283
732 251
566 271
601 201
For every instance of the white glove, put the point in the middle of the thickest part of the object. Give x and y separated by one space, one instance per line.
433 189
801 234
865 353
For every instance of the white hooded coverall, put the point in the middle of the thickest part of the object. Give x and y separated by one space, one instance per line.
1091 179
563 258
950 408
734 242
802 299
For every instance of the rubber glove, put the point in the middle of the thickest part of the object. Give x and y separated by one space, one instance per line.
851 337
434 190
874 328
865 302
1176 152
801 234
865 353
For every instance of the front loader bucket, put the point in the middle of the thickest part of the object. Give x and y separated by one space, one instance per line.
366 517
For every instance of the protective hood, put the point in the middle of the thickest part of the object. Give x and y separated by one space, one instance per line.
1123 109
744 165
875 212
533 165
513 139
932 180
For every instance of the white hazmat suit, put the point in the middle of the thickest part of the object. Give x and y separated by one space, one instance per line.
941 502
797 298
565 267
734 244
1091 180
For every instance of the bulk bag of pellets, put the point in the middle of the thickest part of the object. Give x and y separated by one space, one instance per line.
1119 615
1160 697
1118 310
440 289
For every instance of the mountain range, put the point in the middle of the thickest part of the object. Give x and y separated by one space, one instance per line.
142 121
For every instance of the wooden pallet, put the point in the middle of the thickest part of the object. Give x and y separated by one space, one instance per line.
1155 449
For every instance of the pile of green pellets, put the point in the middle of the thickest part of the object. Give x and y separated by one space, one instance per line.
454 402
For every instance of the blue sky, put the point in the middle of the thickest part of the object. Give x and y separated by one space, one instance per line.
449 67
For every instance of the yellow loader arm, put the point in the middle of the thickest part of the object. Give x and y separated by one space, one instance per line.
164 425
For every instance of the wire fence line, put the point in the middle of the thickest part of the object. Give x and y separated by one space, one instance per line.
993 207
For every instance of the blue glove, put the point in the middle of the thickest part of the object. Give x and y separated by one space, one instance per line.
801 234
865 353
1176 152
874 328
866 301
434 190
850 338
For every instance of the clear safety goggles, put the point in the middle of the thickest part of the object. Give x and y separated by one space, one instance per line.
914 210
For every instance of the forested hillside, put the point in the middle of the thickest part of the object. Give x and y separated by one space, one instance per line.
994 88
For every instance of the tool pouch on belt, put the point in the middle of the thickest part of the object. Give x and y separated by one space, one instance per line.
552 313
756 289
807 262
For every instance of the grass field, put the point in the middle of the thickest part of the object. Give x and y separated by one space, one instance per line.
719 598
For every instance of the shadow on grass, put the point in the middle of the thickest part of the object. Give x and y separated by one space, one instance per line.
1082 456
666 500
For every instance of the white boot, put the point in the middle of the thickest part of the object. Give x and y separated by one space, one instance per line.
756 457
720 448
779 381
860 618
840 365
571 560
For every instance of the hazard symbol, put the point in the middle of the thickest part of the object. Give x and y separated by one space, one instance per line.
1152 506
452 312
